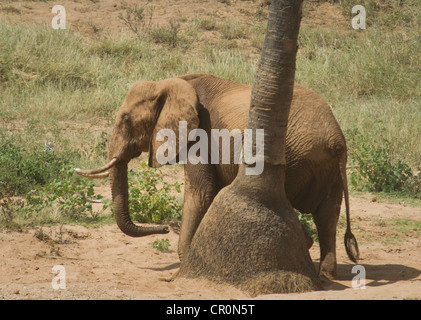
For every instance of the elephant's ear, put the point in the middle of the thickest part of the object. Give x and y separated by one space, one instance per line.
178 115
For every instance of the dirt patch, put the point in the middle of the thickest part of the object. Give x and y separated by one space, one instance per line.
94 17
325 15
103 263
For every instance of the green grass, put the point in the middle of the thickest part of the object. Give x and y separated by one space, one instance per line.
385 14
162 245
48 76
401 230
407 226
24 167
60 87
371 79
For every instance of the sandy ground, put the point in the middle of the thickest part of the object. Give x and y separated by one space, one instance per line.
102 263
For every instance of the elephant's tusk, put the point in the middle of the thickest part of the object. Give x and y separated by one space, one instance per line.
95 171
92 175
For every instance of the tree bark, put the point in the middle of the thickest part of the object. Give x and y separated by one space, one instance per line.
274 81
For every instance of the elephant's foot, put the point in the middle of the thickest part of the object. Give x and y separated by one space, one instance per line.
327 267
182 252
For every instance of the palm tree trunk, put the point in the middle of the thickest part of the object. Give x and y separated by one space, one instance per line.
250 237
274 81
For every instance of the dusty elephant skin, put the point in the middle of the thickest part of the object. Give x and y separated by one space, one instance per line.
250 236
147 108
315 152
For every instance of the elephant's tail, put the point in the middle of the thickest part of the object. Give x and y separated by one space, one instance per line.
351 245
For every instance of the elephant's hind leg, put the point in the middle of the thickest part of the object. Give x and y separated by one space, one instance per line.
200 188
326 219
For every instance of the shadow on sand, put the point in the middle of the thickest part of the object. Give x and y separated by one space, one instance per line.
375 275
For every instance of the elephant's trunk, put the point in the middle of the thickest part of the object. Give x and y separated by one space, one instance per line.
120 195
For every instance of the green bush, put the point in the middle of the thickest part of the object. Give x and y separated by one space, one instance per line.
307 222
22 168
151 199
162 245
376 171
72 194
66 199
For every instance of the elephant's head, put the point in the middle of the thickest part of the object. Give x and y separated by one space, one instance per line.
147 108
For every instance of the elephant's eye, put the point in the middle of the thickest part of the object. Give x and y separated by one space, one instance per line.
126 118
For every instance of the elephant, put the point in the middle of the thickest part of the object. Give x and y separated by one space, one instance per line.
316 154
250 237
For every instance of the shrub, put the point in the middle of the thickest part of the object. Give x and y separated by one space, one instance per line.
169 35
24 168
151 198
376 171
136 20
162 245
307 222
9 206
66 199
72 194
